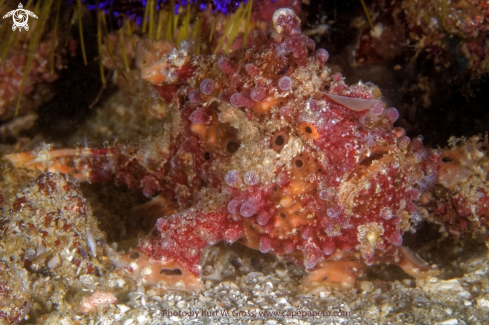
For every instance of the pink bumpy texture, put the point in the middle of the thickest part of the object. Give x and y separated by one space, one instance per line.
294 173
260 154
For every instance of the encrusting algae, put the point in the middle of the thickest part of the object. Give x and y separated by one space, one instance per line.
264 146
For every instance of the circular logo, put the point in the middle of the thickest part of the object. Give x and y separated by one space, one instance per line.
20 17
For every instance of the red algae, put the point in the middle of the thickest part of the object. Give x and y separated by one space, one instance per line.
257 152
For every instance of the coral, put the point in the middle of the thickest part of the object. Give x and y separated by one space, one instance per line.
47 232
450 32
462 205
257 152
11 73
467 20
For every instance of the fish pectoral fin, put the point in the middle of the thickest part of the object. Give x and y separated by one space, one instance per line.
343 273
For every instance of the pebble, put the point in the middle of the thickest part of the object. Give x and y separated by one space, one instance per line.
452 321
181 304
282 301
123 308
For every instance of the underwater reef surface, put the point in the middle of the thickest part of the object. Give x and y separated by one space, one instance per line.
346 218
